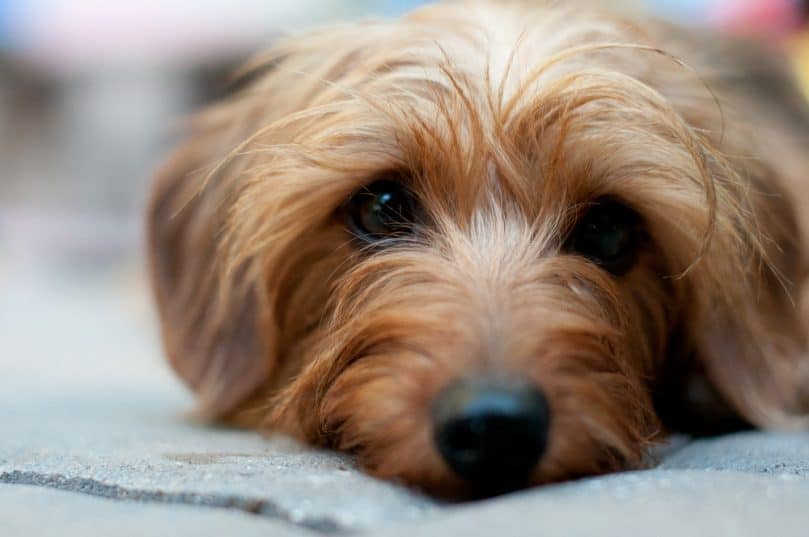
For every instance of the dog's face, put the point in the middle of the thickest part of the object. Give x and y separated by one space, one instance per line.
461 254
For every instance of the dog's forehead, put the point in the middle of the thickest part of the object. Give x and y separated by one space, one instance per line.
497 44
503 45
532 107
542 109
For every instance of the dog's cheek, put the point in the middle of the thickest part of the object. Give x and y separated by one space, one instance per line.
379 409
305 281
601 421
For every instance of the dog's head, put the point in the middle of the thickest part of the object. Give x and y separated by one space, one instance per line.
462 253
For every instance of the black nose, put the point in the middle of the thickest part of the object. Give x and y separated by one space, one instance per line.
491 432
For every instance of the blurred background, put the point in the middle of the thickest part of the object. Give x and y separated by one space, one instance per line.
89 93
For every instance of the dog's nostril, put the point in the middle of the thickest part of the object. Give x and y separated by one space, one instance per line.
491 432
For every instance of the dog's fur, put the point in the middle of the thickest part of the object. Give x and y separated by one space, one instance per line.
505 118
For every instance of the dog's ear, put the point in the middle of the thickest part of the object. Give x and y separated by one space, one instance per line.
753 347
218 279
212 325
752 342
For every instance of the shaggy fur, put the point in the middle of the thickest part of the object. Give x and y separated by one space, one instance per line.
506 119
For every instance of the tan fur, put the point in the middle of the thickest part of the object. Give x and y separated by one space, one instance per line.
507 118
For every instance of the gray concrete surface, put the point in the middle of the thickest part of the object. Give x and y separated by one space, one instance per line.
96 441
44 512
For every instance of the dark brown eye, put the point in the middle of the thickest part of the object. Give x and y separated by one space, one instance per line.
382 210
609 235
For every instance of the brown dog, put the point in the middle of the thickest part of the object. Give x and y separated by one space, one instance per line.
481 246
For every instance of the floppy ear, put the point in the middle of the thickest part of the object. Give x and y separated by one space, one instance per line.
217 332
752 342
753 345
755 351
225 212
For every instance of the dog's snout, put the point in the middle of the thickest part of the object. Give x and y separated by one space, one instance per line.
491 432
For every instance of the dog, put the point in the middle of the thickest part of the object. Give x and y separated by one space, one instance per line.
493 244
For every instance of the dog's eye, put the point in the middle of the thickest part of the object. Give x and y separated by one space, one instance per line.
608 235
381 210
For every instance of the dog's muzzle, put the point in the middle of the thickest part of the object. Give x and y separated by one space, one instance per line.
491 431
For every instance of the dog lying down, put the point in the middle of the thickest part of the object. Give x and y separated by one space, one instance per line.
493 244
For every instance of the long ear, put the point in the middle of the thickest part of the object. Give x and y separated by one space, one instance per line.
742 325
752 343
212 326
223 221
755 349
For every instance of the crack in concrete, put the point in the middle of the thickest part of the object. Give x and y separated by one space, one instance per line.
252 506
